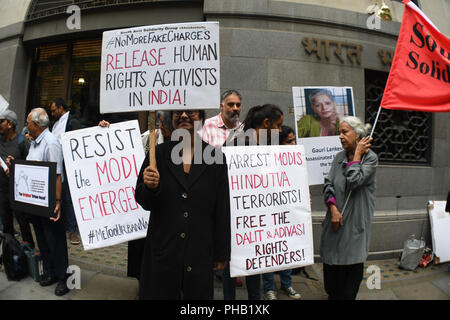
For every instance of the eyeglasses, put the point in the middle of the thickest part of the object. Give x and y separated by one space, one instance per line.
232 104
189 113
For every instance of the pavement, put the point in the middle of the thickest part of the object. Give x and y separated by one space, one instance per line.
103 277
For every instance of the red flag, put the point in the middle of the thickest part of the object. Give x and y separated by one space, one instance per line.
419 79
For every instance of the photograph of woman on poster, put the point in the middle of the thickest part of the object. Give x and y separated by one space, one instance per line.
320 110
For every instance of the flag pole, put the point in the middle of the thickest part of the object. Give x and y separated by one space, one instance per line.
371 133
152 140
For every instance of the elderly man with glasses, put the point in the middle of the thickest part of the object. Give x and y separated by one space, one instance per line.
50 232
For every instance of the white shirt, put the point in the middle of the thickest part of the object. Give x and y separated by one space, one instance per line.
60 126
46 148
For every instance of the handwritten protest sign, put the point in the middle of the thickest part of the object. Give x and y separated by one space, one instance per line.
271 226
102 166
160 67
440 225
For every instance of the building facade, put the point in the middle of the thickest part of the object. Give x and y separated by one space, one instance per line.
49 49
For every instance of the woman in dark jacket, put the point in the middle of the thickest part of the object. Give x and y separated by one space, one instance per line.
189 230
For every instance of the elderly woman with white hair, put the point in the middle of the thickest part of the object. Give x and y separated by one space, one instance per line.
345 236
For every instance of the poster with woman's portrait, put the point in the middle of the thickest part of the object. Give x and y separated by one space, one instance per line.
318 112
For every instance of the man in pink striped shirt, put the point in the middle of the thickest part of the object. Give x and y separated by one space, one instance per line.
226 124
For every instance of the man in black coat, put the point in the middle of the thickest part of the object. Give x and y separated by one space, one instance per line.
189 230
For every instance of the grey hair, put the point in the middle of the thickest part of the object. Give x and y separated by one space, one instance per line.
320 92
166 119
229 92
40 116
356 124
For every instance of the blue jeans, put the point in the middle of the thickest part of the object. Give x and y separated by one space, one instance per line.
269 283
229 286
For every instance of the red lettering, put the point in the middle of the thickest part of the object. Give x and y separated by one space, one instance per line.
81 209
105 170
97 200
162 96
134 58
112 201
135 166
159 57
109 62
123 201
131 198
103 201
111 171
117 60
126 66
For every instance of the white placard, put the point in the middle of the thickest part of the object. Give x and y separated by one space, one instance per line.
102 166
160 67
3 104
321 145
271 226
320 153
31 184
3 164
440 227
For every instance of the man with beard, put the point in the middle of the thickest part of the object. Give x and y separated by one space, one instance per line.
65 122
226 124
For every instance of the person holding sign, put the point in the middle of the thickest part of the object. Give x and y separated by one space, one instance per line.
326 123
11 147
188 236
346 236
258 126
50 232
287 137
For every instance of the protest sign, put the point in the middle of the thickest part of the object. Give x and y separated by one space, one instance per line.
3 104
160 67
271 226
319 156
318 111
33 187
102 166
440 225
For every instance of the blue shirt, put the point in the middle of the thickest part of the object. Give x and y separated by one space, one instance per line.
46 147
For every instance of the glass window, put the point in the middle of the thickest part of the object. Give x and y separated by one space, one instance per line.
49 77
72 71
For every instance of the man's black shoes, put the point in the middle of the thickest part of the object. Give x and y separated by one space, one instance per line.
61 288
47 281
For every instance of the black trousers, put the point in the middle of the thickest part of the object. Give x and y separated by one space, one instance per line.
51 239
8 220
342 281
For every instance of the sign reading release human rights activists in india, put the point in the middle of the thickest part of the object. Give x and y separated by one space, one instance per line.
271 226
161 67
102 166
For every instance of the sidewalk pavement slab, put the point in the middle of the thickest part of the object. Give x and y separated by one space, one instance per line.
28 289
106 287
